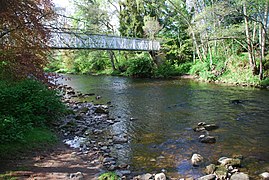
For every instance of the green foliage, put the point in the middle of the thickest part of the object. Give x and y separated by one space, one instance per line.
140 66
184 68
166 70
108 176
8 176
209 71
131 18
265 82
199 67
238 71
82 61
24 105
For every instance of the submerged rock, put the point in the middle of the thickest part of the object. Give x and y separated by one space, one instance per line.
196 159
237 101
211 127
207 139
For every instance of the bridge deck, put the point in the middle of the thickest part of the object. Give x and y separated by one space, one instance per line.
70 40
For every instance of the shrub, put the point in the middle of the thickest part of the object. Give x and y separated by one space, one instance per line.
198 67
24 105
166 70
265 82
140 66
184 68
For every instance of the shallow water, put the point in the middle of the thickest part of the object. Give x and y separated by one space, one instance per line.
165 112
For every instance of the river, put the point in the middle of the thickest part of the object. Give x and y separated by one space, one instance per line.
158 116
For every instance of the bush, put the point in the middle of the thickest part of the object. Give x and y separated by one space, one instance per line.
166 70
199 67
184 68
209 72
24 105
238 71
265 82
140 66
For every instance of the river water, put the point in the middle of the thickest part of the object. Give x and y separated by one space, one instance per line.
164 112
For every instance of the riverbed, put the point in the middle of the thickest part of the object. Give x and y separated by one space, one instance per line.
157 116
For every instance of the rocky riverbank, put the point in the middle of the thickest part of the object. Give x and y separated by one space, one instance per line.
87 130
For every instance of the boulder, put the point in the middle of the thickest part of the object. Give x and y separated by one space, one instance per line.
119 140
239 176
101 110
210 169
123 172
207 139
207 177
160 176
203 126
210 127
229 161
196 159
83 110
201 123
265 175
198 128
221 172
76 176
147 176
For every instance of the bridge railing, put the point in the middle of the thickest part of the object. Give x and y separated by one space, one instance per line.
73 40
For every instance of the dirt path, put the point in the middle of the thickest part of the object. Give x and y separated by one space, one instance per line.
61 162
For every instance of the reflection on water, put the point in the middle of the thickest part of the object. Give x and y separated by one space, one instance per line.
164 112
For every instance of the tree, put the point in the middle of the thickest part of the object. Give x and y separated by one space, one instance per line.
23 37
131 18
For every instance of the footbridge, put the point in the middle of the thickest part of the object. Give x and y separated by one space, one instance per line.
83 40
65 35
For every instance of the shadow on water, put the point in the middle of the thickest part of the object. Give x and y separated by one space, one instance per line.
165 112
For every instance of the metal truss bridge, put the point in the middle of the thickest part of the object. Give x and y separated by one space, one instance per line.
64 35
79 40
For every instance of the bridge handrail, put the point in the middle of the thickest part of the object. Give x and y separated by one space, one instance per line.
104 35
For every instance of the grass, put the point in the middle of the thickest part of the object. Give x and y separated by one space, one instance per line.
108 176
35 139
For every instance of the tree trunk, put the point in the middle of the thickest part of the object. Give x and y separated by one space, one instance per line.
249 43
112 60
263 27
